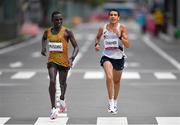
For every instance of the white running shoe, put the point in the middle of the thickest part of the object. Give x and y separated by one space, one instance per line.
115 110
110 107
62 106
53 114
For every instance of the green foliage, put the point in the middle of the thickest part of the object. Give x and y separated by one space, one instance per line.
93 2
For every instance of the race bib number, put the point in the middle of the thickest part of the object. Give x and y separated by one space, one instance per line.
55 47
111 43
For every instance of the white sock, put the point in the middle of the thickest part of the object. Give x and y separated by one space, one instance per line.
111 101
115 102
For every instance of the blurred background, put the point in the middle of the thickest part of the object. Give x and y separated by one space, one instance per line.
26 17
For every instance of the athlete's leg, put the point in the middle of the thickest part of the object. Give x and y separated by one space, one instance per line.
52 86
116 79
63 85
108 69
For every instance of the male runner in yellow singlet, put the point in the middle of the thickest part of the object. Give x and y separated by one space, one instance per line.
57 38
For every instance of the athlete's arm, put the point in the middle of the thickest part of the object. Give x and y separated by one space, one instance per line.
124 36
98 37
74 44
44 43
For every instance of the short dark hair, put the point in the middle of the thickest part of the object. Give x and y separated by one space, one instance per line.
55 13
114 10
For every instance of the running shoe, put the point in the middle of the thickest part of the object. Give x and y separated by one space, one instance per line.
115 110
53 114
62 106
110 108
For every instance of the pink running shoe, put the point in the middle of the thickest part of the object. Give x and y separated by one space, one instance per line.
62 106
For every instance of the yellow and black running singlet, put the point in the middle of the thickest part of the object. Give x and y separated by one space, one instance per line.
58 47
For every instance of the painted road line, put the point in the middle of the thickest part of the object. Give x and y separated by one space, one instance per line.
133 64
48 121
131 75
164 75
23 75
3 120
112 121
23 44
93 75
36 54
9 84
168 120
16 64
162 53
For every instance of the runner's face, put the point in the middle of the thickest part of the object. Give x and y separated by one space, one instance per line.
57 20
113 17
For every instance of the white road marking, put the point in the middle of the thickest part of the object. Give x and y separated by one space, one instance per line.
131 75
133 64
112 121
48 121
78 36
93 75
9 84
23 75
36 54
16 64
78 57
133 36
18 46
142 84
170 59
168 120
3 120
91 37
164 75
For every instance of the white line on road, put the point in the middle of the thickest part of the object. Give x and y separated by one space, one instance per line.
3 120
16 64
170 59
74 70
164 75
93 75
18 46
36 54
133 64
131 75
168 120
23 75
133 36
48 121
9 84
112 121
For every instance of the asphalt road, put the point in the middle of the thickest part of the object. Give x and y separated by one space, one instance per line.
149 91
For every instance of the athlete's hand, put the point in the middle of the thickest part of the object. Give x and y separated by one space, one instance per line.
124 36
43 52
70 61
97 47
116 32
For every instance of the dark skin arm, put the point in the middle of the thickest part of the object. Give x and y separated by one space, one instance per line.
70 36
44 43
